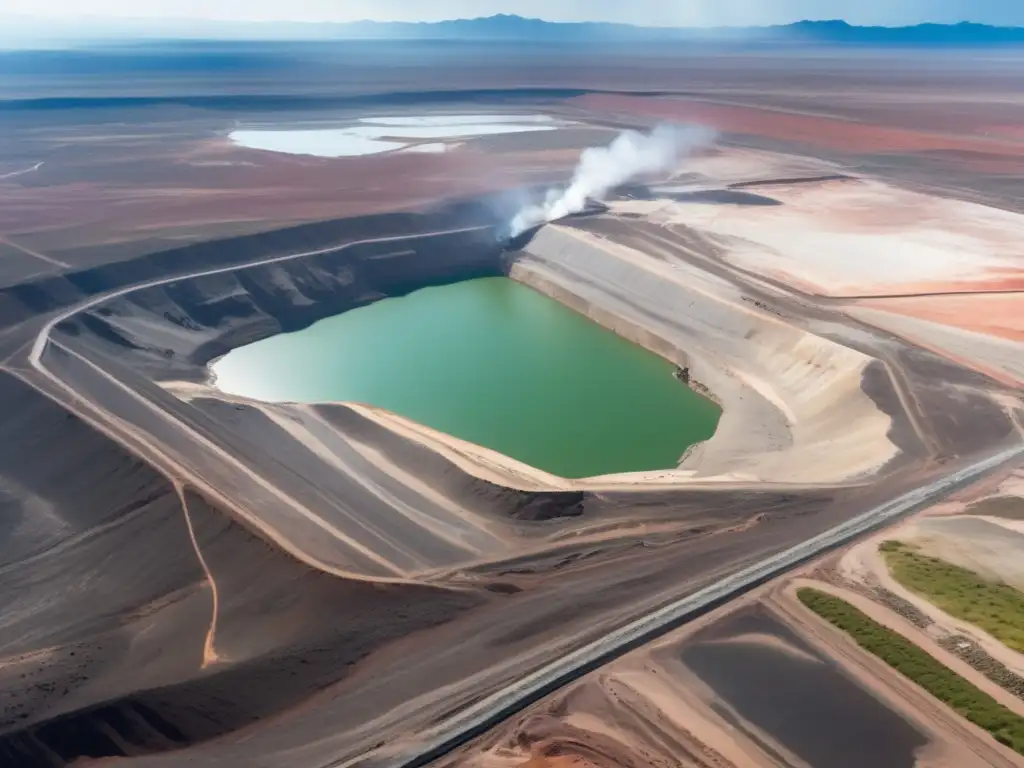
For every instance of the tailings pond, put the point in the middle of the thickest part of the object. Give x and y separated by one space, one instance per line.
492 362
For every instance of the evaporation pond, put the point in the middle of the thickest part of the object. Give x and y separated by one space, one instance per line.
493 362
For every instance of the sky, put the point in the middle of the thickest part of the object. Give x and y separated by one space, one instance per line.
644 12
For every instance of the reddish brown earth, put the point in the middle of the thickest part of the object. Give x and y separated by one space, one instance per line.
999 315
813 130
209 188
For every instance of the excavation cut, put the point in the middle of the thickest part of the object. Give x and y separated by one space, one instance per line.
493 362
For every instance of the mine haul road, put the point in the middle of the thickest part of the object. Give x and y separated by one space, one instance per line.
476 720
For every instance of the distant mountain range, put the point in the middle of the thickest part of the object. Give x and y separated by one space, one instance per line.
15 30
504 27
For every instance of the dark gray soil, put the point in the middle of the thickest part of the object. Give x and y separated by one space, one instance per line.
809 706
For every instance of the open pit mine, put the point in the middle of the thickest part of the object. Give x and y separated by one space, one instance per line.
196 576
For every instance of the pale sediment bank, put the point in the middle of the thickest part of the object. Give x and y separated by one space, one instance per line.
787 395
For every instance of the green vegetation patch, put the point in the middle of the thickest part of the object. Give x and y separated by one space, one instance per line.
916 665
996 608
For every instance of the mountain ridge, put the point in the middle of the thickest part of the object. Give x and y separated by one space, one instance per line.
518 28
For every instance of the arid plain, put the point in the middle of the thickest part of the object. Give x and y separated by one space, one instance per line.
195 578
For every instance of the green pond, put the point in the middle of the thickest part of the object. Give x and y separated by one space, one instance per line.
493 362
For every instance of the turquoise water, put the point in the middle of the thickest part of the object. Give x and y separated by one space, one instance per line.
493 362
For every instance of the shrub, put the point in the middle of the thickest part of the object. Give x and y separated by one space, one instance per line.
918 666
994 607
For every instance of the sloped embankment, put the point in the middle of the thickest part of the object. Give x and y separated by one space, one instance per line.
794 408
138 619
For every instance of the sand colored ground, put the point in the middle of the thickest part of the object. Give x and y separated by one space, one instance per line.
820 131
178 191
861 238
996 356
1014 484
634 713
1000 315
734 165
477 460
981 530
992 547
863 564
648 709
794 410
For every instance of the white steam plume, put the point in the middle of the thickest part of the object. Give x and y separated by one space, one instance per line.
601 169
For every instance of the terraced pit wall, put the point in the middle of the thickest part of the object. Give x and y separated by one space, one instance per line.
108 629
28 300
792 400
173 330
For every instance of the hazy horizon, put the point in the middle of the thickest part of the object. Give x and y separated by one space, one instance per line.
24 24
665 13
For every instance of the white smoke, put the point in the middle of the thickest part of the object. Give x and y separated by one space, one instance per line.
601 169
